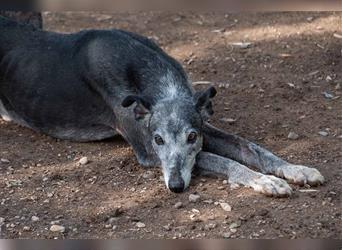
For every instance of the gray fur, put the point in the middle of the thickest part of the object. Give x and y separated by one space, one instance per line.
95 84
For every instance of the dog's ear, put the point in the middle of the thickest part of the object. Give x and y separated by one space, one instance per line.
203 102
142 108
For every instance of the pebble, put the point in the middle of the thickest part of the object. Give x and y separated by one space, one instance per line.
83 161
224 182
234 225
26 228
57 229
178 205
194 197
241 45
140 225
225 206
210 226
308 190
148 175
309 19
227 235
323 133
2 221
327 95
4 160
234 186
112 220
293 136
228 120
34 218
338 86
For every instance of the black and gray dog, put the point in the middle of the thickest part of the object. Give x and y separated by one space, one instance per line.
98 83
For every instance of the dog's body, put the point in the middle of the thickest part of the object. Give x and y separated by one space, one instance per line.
83 86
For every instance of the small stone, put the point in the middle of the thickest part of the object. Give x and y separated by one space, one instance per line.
234 225
194 197
108 226
178 205
225 206
4 160
327 95
208 201
224 182
227 235
83 161
233 230
2 221
339 36
112 220
323 133
114 227
241 45
228 120
338 86
57 229
293 136
210 226
26 228
148 175
309 19
328 79
234 186
34 218
140 225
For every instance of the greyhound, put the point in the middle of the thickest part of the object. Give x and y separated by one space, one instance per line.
96 84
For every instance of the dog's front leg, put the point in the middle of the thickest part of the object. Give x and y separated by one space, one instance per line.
248 153
240 174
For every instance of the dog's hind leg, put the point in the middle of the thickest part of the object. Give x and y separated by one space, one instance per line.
240 174
248 153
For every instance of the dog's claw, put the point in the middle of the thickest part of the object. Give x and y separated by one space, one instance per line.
301 175
271 186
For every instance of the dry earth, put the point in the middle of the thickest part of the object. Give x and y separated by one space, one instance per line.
271 88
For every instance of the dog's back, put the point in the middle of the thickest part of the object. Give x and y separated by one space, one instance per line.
59 84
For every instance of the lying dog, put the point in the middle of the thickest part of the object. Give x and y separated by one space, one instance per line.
95 84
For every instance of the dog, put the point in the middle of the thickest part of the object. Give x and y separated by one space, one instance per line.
96 84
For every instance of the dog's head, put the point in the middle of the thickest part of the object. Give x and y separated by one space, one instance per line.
175 127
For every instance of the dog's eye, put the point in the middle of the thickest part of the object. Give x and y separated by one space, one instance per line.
192 137
159 140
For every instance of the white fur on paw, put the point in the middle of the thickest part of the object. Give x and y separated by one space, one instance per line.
300 174
272 186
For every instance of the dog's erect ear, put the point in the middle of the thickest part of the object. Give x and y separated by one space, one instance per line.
142 108
203 103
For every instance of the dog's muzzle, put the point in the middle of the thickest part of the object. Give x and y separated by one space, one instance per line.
176 185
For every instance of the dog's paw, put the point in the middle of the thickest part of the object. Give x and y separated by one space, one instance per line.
300 175
271 186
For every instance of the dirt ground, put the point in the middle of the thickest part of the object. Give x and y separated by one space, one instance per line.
273 87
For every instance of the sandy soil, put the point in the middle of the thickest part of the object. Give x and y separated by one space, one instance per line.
271 88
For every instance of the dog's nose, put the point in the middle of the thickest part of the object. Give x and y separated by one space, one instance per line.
176 186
